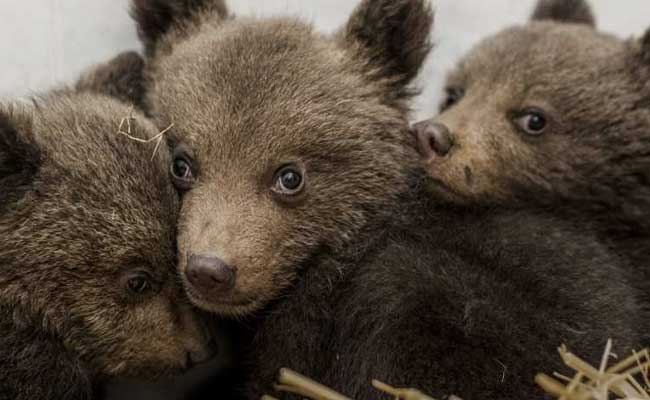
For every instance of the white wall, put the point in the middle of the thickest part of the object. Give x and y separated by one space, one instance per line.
48 42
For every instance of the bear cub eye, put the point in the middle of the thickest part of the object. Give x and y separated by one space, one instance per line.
289 180
181 171
454 95
138 284
532 122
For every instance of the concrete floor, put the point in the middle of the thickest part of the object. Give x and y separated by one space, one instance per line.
48 42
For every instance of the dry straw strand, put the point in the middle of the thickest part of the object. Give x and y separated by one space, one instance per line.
292 382
400 394
158 138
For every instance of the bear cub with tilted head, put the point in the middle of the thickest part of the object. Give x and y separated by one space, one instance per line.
302 214
552 114
88 287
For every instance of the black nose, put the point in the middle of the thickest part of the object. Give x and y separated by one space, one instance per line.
433 139
210 274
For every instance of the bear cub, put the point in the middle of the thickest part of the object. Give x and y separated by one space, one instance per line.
88 287
302 214
551 114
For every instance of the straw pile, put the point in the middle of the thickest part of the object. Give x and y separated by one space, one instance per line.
292 382
628 379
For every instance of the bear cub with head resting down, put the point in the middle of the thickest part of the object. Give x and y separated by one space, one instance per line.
88 287
553 114
302 214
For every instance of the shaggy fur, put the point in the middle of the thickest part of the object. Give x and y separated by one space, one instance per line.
572 11
358 276
231 96
475 307
593 160
84 210
156 18
122 78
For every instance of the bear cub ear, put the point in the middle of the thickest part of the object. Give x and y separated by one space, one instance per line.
19 159
122 77
155 18
567 11
392 37
645 47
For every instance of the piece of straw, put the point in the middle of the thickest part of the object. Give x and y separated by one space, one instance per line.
158 138
292 382
400 394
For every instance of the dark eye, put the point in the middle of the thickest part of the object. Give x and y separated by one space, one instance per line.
453 96
532 122
181 171
289 180
138 284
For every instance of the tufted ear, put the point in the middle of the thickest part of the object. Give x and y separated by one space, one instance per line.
19 160
391 37
122 77
567 11
155 18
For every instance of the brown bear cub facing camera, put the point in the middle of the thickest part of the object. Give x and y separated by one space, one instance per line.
221 105
88 285
552 114
302 214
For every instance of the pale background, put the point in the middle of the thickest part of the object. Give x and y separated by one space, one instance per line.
48 42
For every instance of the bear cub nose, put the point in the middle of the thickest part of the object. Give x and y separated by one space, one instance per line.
210 274
433 139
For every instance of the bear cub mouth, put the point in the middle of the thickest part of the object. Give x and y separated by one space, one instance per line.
220 303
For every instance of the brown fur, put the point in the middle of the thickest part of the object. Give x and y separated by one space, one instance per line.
83 209
383 34
361 275
157 18
645 49
594 158
573 11
122 77
346 85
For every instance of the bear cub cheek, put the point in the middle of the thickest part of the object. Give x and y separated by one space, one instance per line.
166 335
